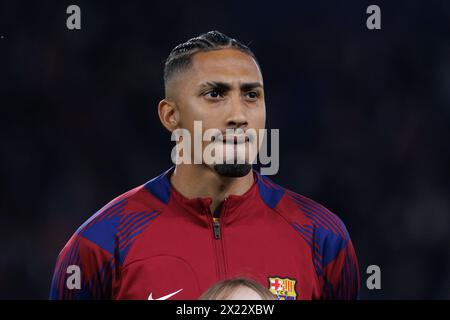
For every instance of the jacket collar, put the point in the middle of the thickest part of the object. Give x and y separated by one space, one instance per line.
161 188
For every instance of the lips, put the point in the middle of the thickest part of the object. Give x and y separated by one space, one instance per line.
234 139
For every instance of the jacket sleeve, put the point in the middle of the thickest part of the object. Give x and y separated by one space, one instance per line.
341 273
83 271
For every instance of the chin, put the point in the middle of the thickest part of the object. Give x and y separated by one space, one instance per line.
232 170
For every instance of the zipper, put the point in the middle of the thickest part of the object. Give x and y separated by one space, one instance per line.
216 227
218 240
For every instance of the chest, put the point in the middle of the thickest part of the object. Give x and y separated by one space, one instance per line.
181 261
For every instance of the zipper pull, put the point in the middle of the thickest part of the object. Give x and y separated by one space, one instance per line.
216 227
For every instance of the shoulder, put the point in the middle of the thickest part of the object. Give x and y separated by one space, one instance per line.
316 215
320 228
301 211
116 225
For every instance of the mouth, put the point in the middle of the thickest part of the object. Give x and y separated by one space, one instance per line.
233 139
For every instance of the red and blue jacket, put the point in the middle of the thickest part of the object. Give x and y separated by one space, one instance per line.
153 243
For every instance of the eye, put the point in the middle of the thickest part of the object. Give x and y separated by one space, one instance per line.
213 94
252 95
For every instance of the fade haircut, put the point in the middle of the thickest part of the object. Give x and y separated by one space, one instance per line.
180 58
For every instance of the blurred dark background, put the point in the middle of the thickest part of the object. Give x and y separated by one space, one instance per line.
364 119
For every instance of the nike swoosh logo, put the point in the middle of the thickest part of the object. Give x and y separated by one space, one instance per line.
164 297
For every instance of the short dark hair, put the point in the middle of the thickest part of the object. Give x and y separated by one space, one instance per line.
180 58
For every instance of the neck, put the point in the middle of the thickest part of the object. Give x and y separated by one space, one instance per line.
200 181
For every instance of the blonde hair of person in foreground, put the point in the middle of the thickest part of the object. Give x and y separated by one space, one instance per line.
237 289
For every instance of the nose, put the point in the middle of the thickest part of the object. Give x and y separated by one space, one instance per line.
237 116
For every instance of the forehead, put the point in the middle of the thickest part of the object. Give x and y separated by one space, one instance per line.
244 293
227 65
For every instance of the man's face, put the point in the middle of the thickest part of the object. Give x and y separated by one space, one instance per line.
224 90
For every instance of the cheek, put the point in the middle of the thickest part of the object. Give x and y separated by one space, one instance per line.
258 118
194 109
263 116
189 112
210 117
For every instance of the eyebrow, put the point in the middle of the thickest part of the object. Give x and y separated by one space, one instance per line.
224 87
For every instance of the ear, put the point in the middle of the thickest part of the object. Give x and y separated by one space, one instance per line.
168 114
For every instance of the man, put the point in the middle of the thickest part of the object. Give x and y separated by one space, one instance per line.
200 223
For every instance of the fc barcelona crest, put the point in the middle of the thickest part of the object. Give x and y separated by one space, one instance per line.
283 288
